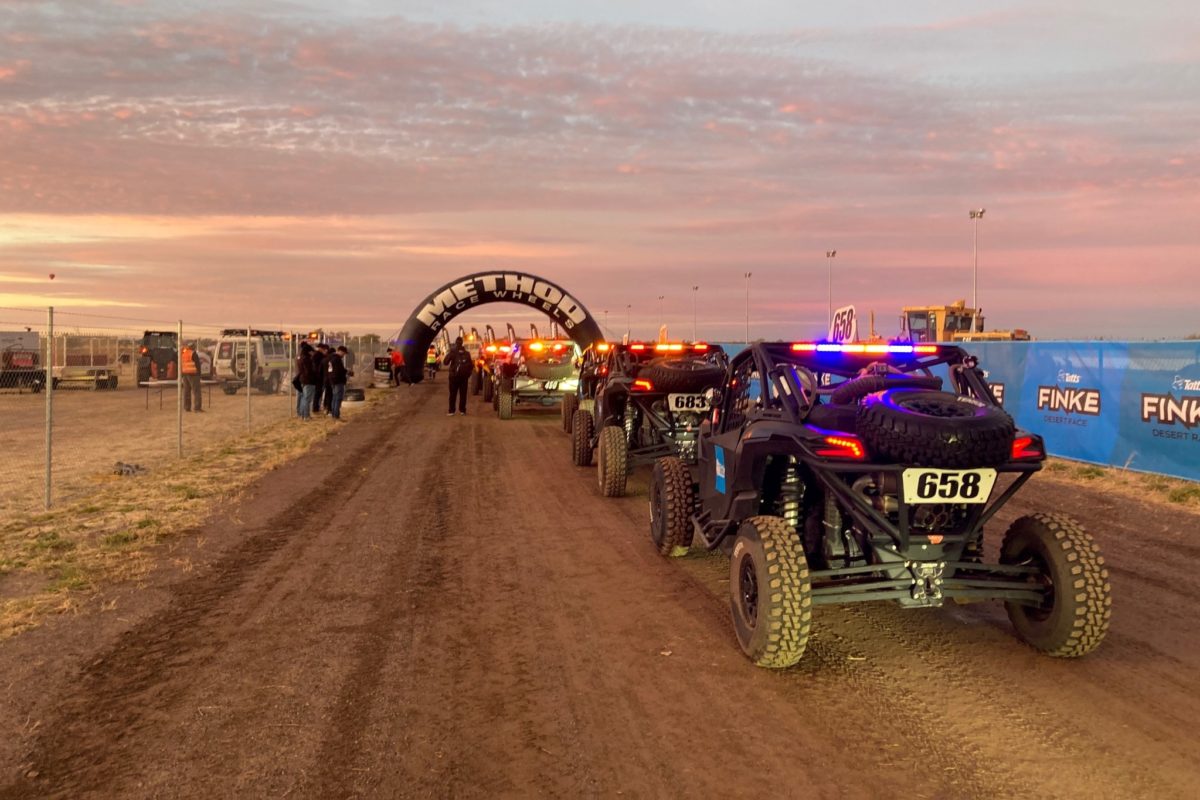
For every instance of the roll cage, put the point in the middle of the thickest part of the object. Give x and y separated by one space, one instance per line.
760 431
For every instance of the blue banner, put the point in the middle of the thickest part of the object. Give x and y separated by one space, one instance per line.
1130 405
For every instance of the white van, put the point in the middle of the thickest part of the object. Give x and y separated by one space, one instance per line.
270 359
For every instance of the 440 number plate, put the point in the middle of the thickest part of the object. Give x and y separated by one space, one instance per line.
687 402
948 485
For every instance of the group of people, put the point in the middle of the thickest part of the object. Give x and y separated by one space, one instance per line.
321 375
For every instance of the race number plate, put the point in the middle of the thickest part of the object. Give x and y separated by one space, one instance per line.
687 402
948 485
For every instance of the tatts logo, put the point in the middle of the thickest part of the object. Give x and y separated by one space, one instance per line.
1167 409
510 286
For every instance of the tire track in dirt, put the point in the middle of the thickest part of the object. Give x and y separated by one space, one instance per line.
146 671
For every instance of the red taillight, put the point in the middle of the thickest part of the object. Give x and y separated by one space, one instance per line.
1026 447
642 385
842 447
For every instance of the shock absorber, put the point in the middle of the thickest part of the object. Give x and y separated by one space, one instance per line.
832 542
791 493
630 422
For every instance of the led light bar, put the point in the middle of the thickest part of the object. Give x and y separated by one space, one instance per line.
637 347
865 349
602 347
537 346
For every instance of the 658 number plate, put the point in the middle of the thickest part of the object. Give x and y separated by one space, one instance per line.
687 402
948 485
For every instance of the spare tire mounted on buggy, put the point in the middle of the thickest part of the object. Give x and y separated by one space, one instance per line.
934 429
681 374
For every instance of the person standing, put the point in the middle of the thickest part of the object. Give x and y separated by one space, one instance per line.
191 378
431 361
348 358
307 376
461 365
397 361
335 383
318 360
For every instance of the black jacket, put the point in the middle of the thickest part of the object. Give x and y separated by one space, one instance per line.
335 370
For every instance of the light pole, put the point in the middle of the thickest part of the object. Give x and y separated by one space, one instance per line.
606 334
695 291
976 214
829 256
628 323
661 321
748 274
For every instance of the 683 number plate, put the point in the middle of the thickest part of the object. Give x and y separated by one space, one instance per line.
687 402
924 485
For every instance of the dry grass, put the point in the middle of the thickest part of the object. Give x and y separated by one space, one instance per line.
1136 485
50 562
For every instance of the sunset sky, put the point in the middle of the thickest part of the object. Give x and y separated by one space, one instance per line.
284 162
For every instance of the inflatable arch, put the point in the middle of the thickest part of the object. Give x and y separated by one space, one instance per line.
431 315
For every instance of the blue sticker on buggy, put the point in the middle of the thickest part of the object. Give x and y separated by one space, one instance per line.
719 452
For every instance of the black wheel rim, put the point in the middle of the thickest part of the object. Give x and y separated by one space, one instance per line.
748 591
938 407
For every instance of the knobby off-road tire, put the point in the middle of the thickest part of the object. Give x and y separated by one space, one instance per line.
504 405
612 461
681 374
582 428
770 592
488 390
570 404
672 499
1075 617
934 429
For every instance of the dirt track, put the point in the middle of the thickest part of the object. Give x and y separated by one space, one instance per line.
434 606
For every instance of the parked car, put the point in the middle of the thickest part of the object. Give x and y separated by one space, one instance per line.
841 473
270 360
649 400
534 373
20 369
158 352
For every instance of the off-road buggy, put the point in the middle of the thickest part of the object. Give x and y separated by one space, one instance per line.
493 353
649 401
591 368
839 473
534 373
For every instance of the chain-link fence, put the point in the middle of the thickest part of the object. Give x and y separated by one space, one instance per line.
86 399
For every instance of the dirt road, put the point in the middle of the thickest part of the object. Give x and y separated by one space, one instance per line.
430 606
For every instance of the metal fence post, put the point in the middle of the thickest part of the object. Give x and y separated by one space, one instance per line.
48 364
179 392
249 381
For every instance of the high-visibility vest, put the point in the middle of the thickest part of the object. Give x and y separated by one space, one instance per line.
189 366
